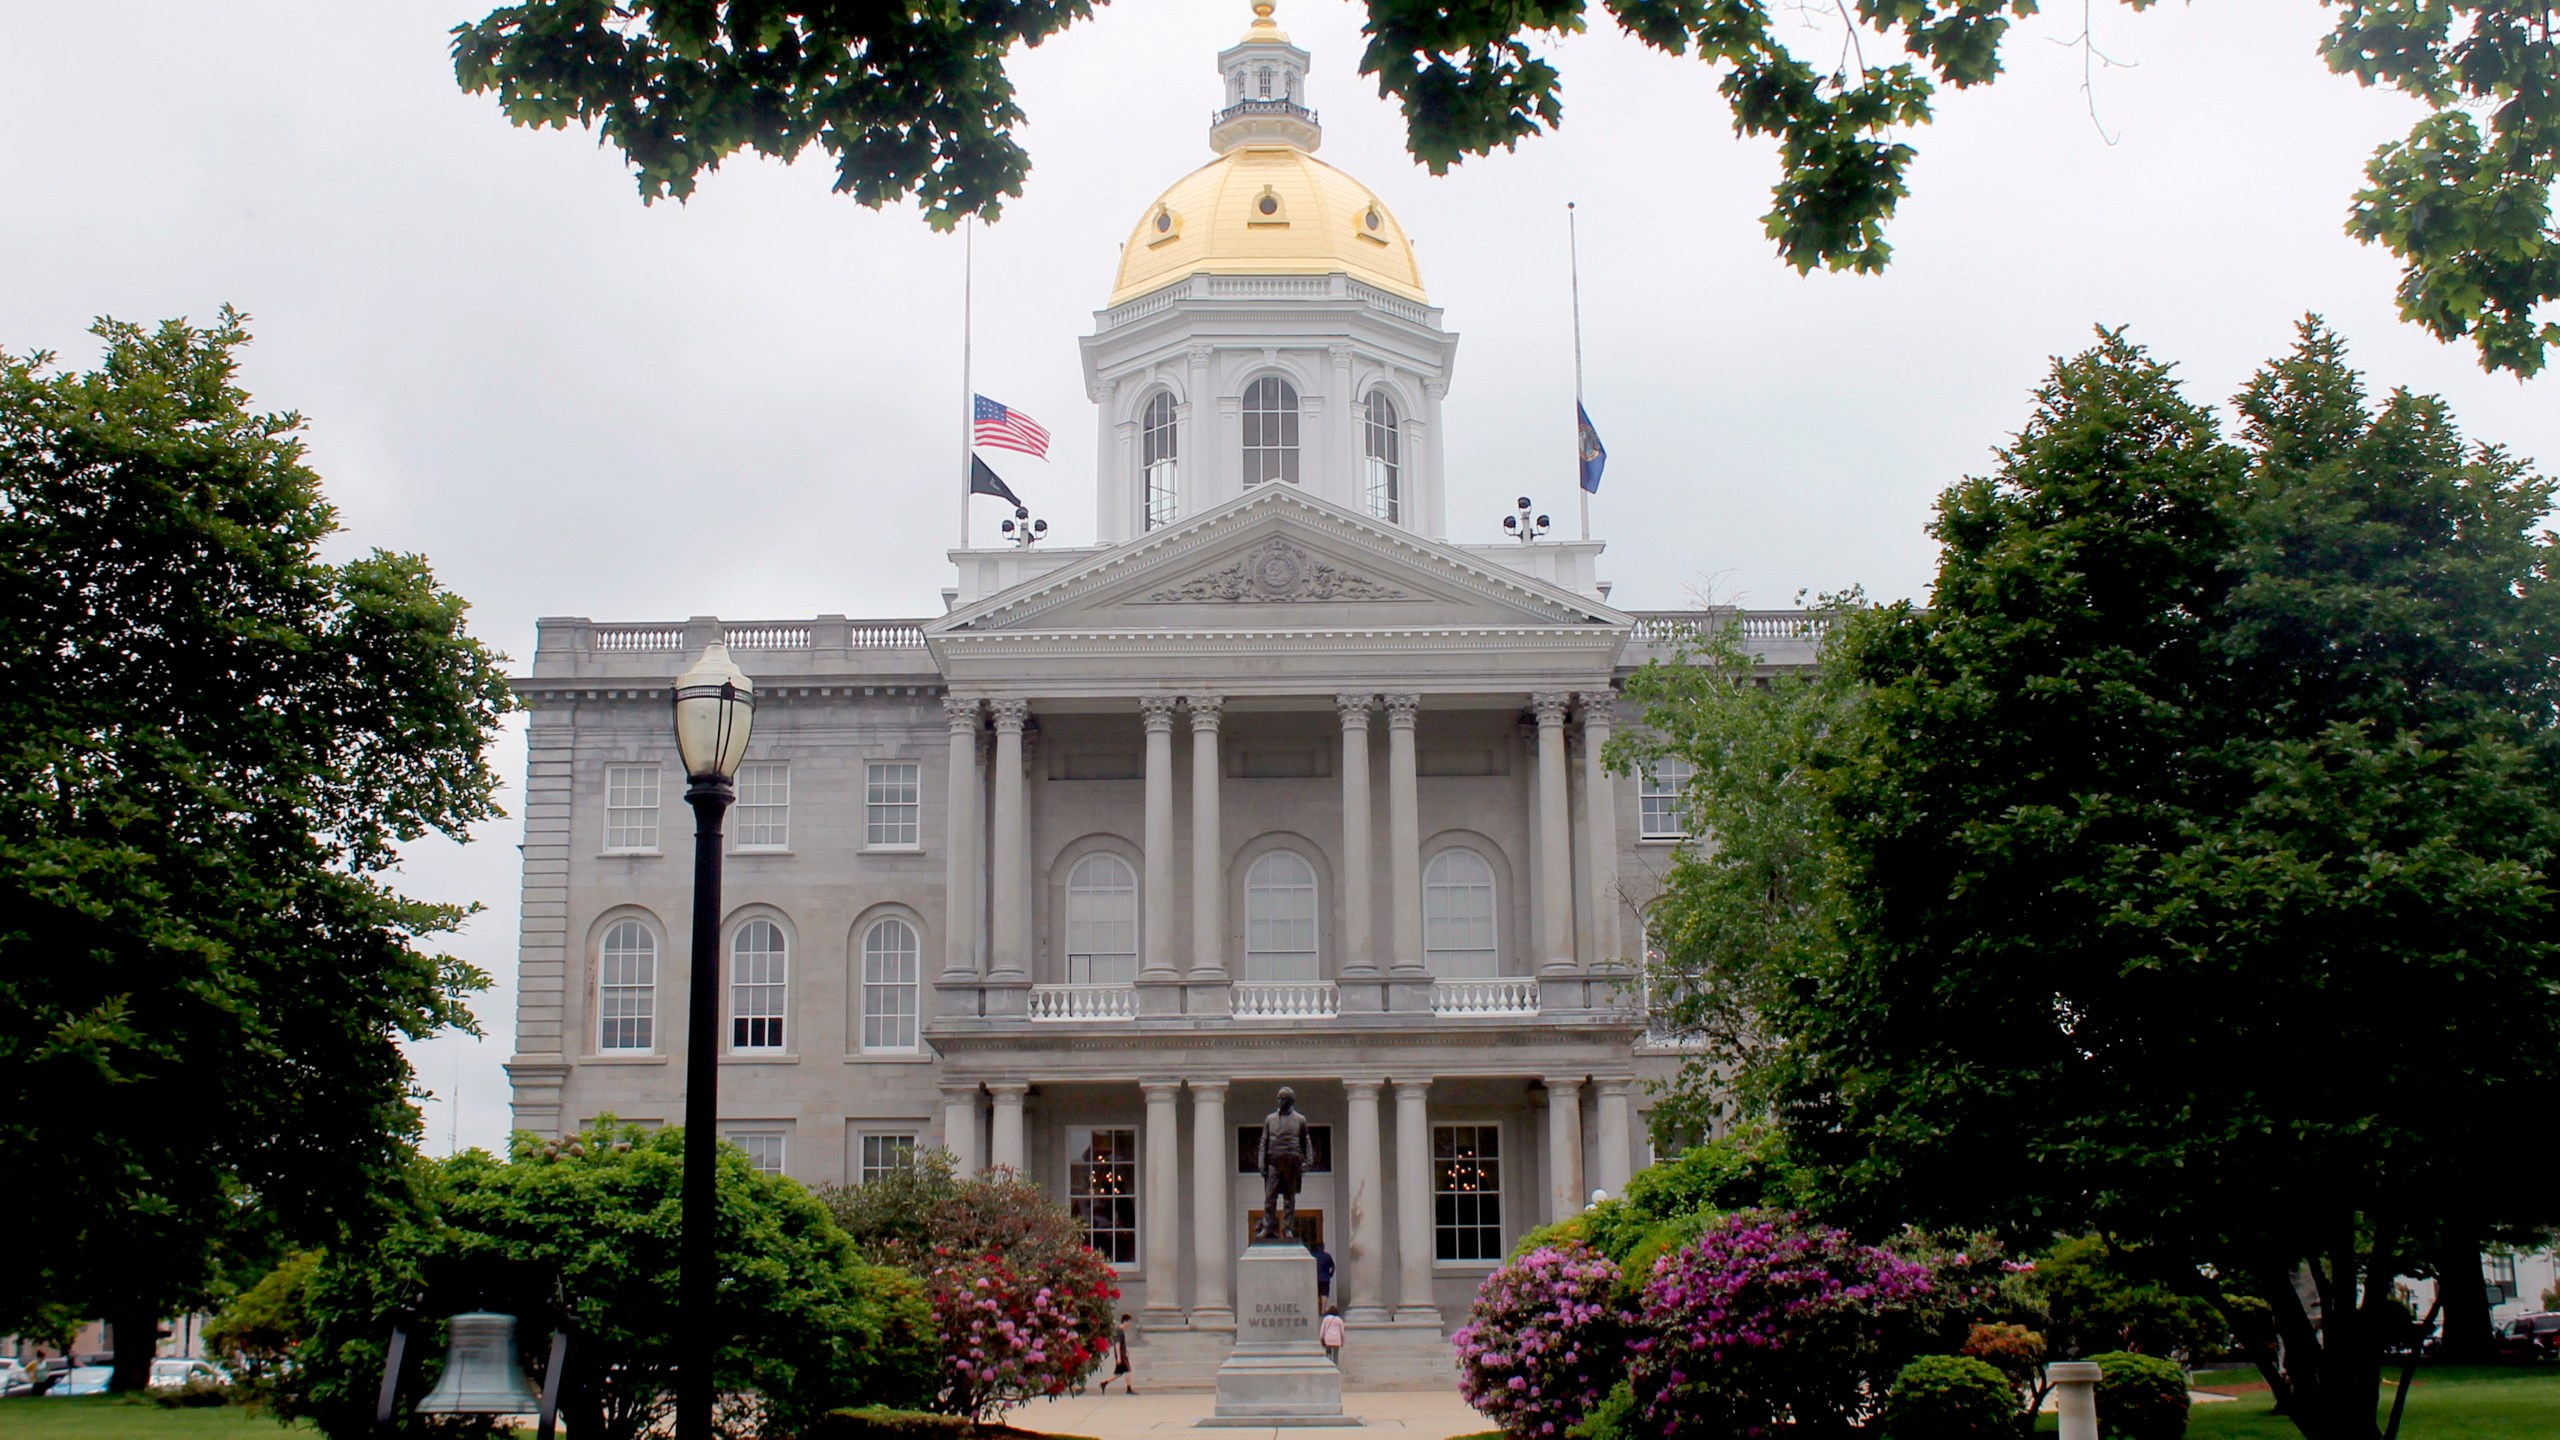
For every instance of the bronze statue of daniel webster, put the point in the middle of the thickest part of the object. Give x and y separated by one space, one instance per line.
1284 1164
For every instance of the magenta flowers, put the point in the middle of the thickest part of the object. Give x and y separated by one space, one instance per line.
1547 1339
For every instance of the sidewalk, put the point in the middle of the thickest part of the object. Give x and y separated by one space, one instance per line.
1391 1415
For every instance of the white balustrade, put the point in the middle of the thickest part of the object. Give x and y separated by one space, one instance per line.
768 635
639 637
1260 1001
1503 996
1084 1002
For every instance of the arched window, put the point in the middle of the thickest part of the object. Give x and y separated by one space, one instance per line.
1158 447
889 986
1280 919
1385 467
627 988
1266 84
1102 922
759 980
1270 431
1457 916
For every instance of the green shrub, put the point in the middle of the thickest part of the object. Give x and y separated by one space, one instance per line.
880 1422
198 1393
1950 1397
1613 1418
255 1334
2140 1397
2014 1350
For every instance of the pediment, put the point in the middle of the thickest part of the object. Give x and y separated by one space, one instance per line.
1277 559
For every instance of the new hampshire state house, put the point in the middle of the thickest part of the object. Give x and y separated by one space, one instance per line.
1276 784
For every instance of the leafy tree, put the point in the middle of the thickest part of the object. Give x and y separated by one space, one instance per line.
590 1226
256 1334
2195 849
212 743
1023 1306
914 100
2096 1297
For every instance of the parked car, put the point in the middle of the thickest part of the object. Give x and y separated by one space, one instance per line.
2533 1335
170 1374
15 1378
84 1380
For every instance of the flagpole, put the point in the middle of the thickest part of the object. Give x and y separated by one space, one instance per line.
968 392
1573 250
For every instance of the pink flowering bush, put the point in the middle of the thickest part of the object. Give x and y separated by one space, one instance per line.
1764 1321
1545 1342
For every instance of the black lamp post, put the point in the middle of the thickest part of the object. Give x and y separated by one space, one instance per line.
715 706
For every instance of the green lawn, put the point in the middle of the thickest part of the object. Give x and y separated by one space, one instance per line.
115 1417
2454 1402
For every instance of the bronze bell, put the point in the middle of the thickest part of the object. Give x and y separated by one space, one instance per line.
483 1374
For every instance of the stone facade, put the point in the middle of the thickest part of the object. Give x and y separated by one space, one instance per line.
1274 786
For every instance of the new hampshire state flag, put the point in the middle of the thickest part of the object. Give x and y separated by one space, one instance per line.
1595 456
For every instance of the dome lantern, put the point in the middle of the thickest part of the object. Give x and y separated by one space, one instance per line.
1266 80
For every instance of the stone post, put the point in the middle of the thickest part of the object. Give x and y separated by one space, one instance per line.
960 1126
1213 1229
1007 1147
1564 1149
2075 1397
1413 1203
1158 975
1161 1202
1555 838
1617 1137
1366 1207
1208 860
1404 854
960 870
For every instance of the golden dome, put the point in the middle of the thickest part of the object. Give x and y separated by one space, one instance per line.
1267 210
1264 30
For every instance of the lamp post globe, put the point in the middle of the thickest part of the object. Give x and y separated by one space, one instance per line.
715 709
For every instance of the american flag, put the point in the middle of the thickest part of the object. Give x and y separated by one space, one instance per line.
1009 429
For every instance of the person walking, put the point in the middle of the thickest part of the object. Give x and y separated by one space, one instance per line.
1324 1272
1330 1333
1119 1361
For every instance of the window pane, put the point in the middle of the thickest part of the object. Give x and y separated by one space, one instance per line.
758 982
889 986
1270 416
1280 920
626 988
1381 448
763 1147
1457 915
1102 922
764 805
631 807
1658 798
1159 457
884 1155
892 801
1466 1184
1102 1190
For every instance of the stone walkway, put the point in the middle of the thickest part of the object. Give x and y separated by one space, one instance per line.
1390 1415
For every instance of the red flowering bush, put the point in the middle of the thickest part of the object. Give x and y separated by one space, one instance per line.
1763 1321
1023 1306
1545 1342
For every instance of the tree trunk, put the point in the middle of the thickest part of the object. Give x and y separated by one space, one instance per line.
2465 1298
133 1332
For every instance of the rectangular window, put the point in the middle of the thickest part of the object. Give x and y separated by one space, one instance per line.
891 803
764 805
763 1147
1466 1191
884 1155
1102 1190
1319 1149
1665 816
631 807
2498 1273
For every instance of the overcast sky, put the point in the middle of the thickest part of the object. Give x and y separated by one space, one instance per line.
748 405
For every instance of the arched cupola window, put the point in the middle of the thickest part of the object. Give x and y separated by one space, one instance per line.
1270 431
1159 458
1384 470
1266 84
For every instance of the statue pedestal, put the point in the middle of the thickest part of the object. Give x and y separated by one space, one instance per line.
1277 1374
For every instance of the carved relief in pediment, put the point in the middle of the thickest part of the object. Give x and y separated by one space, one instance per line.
1277 571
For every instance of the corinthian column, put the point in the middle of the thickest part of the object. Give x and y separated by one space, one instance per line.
1156 920
1359 934
1208 850
1555 837
1404 834
1011 921
960 870
1600 821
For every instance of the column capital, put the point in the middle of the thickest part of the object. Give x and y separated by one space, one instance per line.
1157 712
1413 1087
1401 710
1435 386
1159 1089
1204 710
1199 356
960 1094
1550 706
1598 706
1010 713
1363 1089
1613 1085
1003 1089
1562 1086
1208 1089
1354 710
1340 355
961 711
